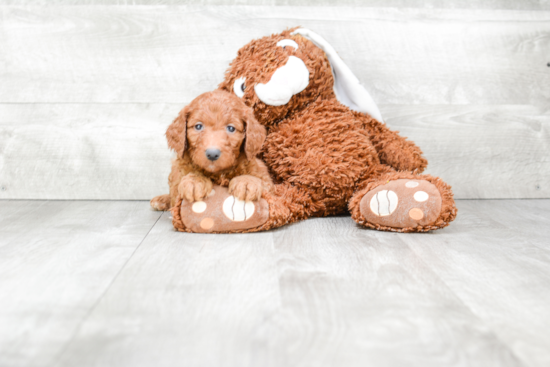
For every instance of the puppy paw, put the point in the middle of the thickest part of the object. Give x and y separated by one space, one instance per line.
161 202
246 188
194 187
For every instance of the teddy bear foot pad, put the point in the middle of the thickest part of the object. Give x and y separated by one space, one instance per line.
222 212
402 203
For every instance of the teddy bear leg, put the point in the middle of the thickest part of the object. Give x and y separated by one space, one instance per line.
223 213
403 202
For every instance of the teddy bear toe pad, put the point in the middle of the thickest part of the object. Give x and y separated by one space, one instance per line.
222 212
402 203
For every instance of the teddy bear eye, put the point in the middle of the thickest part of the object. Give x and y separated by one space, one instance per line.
239 87
287 42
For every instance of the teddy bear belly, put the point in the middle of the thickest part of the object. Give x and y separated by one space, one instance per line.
324 150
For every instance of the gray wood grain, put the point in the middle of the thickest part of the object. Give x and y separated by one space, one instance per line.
77 289
470 86
355 297
56 261
118 151
169 54
482 151
320 293
84 151
496 260
186 299
450 4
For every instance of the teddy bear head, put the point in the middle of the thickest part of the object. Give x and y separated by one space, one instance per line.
279 74
282 73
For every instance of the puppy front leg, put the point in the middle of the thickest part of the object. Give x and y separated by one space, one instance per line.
246 187
194 187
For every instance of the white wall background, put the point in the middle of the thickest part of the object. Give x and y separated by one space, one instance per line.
87 88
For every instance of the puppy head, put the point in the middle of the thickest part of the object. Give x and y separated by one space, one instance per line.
280 73
215 129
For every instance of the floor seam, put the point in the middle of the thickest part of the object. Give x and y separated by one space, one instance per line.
58 356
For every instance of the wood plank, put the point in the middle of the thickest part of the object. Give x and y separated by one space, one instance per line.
355 297
452 4
83 151
319 293
186 299
482 151
170 54
496 259
56 261
118 151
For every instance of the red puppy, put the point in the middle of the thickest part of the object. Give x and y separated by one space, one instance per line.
216 139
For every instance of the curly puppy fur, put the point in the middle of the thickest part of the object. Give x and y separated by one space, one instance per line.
322 155
215 121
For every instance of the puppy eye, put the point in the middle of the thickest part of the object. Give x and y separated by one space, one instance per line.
287 42
230 129
239 87
199 126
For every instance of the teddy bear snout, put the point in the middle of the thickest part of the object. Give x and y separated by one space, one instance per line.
288 80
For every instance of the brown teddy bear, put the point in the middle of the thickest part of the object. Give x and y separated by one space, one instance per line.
327 147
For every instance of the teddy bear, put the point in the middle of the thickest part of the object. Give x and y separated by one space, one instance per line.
328 149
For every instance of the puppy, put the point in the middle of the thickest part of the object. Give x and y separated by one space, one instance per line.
216 139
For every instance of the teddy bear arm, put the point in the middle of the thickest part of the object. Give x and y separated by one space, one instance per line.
402 155
395 150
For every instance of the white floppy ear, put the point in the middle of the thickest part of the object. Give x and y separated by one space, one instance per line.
347 88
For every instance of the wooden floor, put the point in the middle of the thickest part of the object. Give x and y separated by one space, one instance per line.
109 283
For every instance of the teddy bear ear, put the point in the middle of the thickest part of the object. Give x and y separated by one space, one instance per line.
347 88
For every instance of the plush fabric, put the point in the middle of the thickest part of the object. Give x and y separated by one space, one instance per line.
324 156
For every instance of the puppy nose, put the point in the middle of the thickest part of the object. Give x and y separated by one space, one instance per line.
213 154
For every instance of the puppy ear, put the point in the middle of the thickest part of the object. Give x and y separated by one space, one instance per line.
255 135
177 132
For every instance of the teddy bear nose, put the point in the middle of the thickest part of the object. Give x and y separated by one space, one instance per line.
213 154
